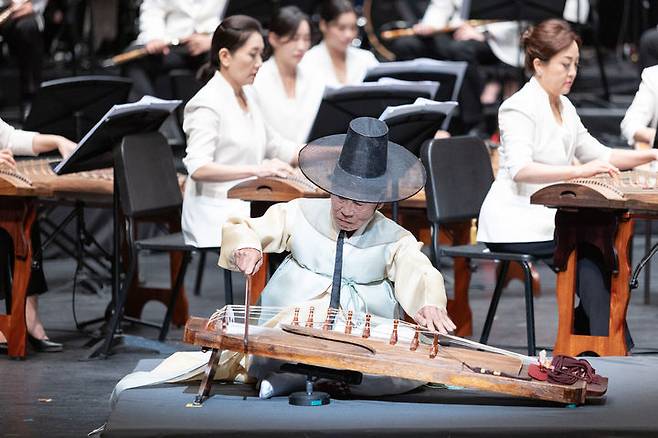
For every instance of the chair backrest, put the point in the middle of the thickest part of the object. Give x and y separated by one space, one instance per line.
449 74
146 177
459 176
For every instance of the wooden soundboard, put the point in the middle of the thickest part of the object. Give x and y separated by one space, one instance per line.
632 190
429 362
275 189
33 178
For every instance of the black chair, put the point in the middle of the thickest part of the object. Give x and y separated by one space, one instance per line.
148 190
459 177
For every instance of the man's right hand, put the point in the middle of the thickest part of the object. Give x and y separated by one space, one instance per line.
248 260
156 47
7 159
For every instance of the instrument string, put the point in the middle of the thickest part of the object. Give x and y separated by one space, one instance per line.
259 315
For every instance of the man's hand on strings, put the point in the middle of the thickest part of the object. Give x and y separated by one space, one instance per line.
435 319
248 260
7 159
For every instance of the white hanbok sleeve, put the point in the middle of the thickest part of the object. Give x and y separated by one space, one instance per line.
268 233
417 283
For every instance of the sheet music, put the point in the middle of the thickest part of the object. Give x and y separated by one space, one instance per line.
146 102
429 87
444 108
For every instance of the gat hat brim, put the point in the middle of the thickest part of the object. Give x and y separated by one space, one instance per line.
403 178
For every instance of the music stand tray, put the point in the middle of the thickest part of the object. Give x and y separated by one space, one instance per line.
450 74
71 106
412 126
340 105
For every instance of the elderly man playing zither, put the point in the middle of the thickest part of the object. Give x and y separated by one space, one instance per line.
343 252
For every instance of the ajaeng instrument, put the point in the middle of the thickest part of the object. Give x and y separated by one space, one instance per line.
368 344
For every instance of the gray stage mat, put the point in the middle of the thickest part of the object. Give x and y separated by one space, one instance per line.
629 410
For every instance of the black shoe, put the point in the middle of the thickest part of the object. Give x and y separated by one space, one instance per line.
4 348
45 345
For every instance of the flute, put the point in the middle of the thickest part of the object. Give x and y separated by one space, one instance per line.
392 34
132 55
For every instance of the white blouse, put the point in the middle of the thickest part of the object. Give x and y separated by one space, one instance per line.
357 63
17 141
219 131
529 133
293 117
175 19
643 111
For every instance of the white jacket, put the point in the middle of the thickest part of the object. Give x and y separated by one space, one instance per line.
643 112
530 133
174 19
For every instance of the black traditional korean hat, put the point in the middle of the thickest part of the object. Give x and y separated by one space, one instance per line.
363 165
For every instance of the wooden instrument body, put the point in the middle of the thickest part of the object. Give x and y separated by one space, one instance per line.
599 212
263 192
296 344
20 191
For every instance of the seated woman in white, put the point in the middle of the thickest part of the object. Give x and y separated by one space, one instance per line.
287 93
335 59
541 135
639 123
227 138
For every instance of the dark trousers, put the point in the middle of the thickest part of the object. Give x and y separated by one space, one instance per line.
592 315
25 43
37 284
442 46
145 71
649 48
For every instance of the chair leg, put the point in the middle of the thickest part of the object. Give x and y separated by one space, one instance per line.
228 287
434 231
529 309
175 292
493 306
199 273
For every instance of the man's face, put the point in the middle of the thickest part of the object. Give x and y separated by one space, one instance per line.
350 215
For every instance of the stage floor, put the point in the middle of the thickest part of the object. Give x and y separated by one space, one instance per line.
628 410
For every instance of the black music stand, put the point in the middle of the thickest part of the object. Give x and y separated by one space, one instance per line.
95 151
340 105
411 128
70 107
450 74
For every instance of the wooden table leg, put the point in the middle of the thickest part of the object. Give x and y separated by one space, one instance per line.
17 217
614 344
